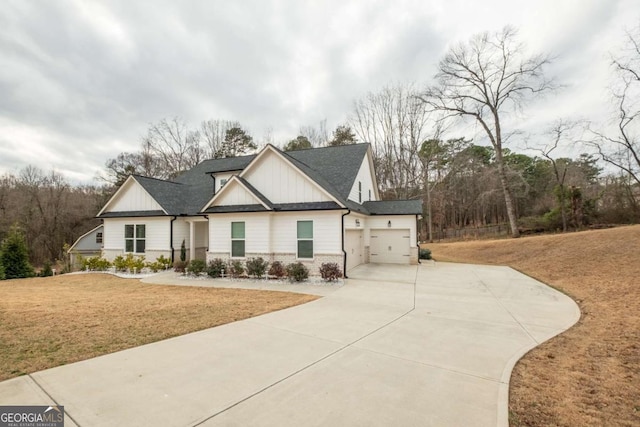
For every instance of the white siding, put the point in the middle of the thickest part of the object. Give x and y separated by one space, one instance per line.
397 222
350 221
256 231
282 183
236 195
180 232
364 176
222 176
327 234
157 233
133 198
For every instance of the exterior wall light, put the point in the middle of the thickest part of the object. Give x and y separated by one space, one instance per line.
357 223
389 224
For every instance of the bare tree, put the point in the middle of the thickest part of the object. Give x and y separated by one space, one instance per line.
481 79
396 125
175 146
213 133
559 166
317 136
621 148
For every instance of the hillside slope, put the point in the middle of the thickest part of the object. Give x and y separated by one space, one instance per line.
590 375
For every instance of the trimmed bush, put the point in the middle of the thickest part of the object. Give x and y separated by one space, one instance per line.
216 267
95 263
425 253
297 272
164 262
180 266
196 267
330 271
277 269
257 267
129 263
236 269
183 252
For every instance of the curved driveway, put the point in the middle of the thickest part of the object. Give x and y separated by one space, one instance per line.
396 345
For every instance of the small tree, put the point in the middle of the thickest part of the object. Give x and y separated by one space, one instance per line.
14 255
183 252
343 135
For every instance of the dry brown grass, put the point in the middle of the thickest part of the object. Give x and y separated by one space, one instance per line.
589 375
46 322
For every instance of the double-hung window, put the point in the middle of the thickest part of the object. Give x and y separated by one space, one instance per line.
237 239
305 239
135 238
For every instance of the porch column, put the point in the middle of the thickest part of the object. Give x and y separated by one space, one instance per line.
192 240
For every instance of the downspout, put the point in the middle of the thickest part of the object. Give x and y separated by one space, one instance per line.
418 237
344 252
171 237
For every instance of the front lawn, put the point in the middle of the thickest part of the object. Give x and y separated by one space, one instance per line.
47 322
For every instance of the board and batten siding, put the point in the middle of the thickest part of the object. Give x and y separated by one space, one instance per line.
157 232
280 182
364 177
133 198
222 176
236 195
180 233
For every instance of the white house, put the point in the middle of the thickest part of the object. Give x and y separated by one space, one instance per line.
316 205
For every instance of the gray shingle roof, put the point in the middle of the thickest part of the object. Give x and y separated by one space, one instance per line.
333 168
394 207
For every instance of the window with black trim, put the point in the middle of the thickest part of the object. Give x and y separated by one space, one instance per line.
305 239
359 191
135 238
237 239
369 195
99 238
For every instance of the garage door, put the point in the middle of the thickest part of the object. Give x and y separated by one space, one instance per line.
390 246
353 246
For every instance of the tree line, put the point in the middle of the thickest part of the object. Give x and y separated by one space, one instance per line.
419 147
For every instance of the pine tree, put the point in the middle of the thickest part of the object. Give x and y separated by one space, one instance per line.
14 256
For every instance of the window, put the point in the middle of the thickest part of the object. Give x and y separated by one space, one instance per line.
237 239
223 182
359 191
99 238
369 195
135 238
305 239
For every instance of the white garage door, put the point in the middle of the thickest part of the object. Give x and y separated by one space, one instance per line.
353 244
390 246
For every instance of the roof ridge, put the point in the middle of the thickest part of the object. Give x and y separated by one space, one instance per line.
135 175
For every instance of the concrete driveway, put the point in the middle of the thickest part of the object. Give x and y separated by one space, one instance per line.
432 345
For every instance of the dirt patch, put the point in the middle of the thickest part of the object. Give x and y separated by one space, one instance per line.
47 322
589 375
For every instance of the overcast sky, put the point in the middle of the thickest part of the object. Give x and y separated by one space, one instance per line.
80 81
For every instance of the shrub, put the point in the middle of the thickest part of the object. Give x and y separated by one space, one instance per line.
161 263
257 267
183 252
95 263
164 262
14 255
180 266
2 272
330 271
196 267
216 267
277 269
425 253
46 270
236 268
129 263
297 272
